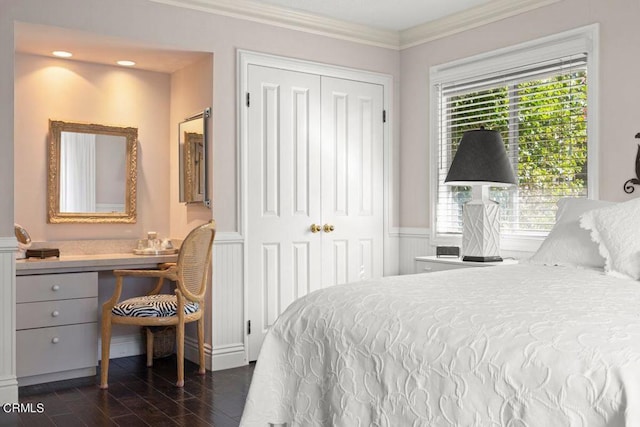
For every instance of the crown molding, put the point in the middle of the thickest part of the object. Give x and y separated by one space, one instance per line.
293 19
471 18
397 40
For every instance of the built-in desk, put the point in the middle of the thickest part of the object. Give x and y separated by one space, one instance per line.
79 263
57 313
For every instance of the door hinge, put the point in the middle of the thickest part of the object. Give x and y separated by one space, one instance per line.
384 116
248 327
248 99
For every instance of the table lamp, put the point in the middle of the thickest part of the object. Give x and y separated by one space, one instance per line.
481 162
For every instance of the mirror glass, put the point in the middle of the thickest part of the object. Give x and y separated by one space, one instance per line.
92 173
193 159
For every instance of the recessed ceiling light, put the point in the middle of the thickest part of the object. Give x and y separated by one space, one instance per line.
126 63
62 54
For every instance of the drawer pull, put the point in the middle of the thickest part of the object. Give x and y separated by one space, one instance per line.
55 340
55 313
428 269
55 288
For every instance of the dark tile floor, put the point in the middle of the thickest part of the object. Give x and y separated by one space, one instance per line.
138 396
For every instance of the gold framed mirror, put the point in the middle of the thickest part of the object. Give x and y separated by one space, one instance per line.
194 168
92 173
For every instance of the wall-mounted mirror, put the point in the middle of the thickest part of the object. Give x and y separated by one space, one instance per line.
92 173
194 170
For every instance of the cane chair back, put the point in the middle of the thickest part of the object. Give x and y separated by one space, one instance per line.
194 261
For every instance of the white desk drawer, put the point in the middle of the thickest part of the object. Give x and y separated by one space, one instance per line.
56 349
54 313
46 287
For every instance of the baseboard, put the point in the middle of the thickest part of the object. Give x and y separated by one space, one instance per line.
229 356
124 346
8 390
57 376
216 359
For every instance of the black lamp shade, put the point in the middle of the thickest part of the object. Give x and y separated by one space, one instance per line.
481 159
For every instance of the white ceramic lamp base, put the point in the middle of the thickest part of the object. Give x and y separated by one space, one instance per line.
481 231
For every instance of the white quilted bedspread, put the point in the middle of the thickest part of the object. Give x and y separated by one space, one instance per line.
511 346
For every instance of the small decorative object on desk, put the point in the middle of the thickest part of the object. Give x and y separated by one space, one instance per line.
24 240
448 251
43 253
154 246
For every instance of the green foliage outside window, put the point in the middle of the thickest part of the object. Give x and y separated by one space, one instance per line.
544 126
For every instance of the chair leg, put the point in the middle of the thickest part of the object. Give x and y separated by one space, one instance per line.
149 333
180 355
202 369
106 344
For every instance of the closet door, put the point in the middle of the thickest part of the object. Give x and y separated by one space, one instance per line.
352 181
315 157
283 194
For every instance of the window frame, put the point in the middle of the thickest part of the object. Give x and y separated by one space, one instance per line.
583 39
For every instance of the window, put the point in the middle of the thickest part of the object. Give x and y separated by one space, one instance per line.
536 96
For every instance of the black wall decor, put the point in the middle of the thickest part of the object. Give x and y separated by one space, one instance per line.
629 185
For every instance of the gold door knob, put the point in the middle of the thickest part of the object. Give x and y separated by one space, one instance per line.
315 228
328 228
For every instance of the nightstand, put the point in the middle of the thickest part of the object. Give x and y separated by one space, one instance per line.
429 264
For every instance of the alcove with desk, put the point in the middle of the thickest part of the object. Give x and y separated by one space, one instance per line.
95 171
57 312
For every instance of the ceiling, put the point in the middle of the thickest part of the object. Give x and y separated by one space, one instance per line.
99 49
394 15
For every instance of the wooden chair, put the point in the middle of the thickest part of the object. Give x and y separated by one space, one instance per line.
190 273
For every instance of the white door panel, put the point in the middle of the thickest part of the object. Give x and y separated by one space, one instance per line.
352 187
284 181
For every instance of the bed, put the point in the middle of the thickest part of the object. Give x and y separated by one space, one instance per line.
536 344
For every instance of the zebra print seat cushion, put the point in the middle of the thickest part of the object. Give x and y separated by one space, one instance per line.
161 305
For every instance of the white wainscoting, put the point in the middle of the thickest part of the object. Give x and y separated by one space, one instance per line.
227 307
228 349
228 339
8 382
413 242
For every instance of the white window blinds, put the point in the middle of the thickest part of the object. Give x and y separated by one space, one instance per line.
541 112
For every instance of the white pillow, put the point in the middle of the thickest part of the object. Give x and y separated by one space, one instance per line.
616 231
567 244
572 208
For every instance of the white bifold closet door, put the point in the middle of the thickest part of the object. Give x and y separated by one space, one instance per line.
315 157
351 180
